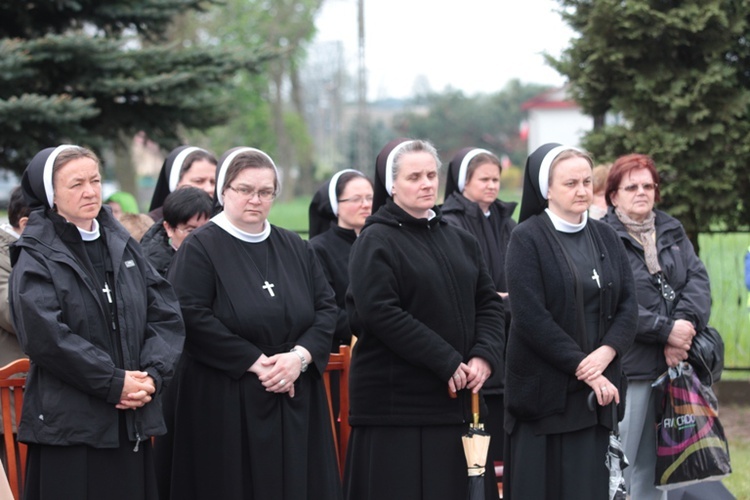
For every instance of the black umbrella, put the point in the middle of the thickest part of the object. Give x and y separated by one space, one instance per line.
476 445
615 458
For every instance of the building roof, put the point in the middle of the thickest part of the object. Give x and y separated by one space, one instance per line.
551 99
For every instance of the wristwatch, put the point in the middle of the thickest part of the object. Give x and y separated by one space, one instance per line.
301 358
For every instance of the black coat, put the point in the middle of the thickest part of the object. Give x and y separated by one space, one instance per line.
686 274
156 247
421 292
542 353
493 234
77 370
333 248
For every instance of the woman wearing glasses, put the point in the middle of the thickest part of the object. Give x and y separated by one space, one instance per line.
337 214
251 419
674 300
184 210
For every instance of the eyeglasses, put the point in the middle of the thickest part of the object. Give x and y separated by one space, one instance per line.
357 200
185 229
647 187
247 193
666 289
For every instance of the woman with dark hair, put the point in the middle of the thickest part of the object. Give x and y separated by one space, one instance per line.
574 314
337 214
471 203
674 302
429 326
103 332
184 166
18 215
251 418
184 211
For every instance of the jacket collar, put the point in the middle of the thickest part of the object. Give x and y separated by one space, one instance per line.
393 215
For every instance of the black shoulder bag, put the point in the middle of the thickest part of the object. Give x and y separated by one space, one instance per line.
706 353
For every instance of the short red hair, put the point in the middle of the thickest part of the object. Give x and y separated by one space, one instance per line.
623 166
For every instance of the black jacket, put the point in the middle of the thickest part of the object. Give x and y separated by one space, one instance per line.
493 234
156 247
542 353
461 212
686 274
421 292
78 368
333 248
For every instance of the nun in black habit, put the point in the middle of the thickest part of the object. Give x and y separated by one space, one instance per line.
184 166
429 326
251 418
574 316
103 331
471 203
337 213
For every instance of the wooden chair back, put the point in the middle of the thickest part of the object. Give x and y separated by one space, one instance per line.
339 362
12 384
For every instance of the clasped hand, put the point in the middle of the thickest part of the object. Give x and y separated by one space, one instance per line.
471 375
595 363
136 391
278 373
679 342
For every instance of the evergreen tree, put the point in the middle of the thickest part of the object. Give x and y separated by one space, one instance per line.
677 74
95 72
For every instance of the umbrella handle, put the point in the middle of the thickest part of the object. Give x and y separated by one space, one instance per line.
475 407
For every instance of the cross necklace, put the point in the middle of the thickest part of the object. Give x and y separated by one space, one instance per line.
594 274
266 285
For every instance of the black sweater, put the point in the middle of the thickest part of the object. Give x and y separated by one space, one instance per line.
542 353
425 302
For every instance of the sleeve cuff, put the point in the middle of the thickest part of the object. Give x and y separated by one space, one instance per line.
115 386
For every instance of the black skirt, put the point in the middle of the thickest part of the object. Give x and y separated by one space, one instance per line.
84 473
428 463
562 466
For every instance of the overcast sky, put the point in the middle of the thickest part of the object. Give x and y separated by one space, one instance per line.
472 45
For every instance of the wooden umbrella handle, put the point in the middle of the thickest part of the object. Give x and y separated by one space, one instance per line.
475 407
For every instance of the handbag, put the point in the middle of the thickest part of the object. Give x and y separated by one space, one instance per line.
691 446
706 354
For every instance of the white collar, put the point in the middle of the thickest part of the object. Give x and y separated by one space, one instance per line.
564 226
222 221
90 235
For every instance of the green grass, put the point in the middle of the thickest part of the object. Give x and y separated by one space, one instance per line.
739 481
291 215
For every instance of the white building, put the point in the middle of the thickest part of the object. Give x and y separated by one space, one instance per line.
554 117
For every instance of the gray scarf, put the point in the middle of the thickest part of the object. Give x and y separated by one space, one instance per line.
644 232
